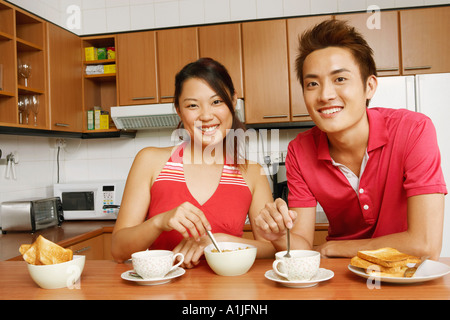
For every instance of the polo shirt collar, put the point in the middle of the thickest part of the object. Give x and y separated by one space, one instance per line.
378 135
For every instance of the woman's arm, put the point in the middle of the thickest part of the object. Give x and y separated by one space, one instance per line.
132 232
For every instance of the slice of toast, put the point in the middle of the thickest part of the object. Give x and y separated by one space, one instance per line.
387 257
378 270
43 251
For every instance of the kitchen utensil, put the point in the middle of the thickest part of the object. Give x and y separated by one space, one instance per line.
411 271
288 237
213 240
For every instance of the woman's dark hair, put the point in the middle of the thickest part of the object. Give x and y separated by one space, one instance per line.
218 78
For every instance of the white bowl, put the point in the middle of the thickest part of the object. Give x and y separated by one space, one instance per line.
60 275
230 263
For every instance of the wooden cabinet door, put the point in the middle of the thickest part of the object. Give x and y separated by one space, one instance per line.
175 49
266 78
223 43
65 80
295 28
382 37
424 40
91 248
136 55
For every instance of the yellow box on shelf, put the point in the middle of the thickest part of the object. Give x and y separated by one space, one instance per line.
109 68
90 53
104 120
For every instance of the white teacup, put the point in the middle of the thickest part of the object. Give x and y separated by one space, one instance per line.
302 266
152 264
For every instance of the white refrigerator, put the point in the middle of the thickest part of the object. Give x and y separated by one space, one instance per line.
430 95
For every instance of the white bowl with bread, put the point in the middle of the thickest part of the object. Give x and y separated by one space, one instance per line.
52 266
234 259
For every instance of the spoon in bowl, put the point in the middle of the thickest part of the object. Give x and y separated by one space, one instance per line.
213 240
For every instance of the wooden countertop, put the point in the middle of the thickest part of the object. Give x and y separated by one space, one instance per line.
101 279
69 233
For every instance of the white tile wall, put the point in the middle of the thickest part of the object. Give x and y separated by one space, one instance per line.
103 16
90 159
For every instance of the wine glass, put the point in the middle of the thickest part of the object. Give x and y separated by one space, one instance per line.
24 71
21 105
27 107
34 107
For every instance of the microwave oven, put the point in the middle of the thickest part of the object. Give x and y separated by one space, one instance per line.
93 200
31 214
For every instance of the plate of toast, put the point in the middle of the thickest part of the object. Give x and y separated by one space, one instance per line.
390 265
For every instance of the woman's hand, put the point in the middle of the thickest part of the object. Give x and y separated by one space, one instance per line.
192 250
187 219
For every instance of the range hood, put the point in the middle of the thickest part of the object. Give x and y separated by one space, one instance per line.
154 116
145 116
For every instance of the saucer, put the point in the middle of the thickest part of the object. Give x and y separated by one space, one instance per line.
131 275
322 275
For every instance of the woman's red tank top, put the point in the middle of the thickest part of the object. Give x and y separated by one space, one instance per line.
226 210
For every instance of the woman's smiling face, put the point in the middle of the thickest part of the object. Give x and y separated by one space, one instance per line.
334 92
205 115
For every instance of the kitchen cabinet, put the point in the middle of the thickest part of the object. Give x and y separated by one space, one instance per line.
224 44
8 102
65 80
295 28
136 55
382 37
99 90
266 78
424 40
95 248
175 49
22 41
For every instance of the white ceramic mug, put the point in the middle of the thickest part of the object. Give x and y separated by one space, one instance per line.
152 264
302 266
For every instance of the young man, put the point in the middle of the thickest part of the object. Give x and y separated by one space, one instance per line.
376 172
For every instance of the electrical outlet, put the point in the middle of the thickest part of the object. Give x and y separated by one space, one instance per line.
60 143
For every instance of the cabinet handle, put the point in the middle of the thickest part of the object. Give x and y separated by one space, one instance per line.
167 97
387 69
301 115
62 125
276 116
143 98
418 68
82 249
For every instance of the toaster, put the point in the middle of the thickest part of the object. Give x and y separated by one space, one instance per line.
31 215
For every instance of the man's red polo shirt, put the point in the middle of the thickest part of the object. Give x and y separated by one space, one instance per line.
404 160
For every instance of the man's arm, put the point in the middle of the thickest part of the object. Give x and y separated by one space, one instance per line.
422 238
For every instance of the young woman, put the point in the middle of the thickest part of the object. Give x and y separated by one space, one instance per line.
173 195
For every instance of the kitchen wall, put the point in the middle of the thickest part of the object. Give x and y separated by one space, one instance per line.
85 17
91 159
